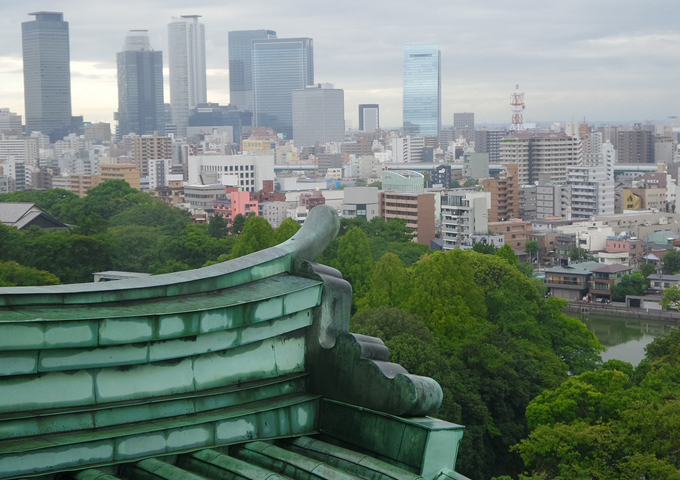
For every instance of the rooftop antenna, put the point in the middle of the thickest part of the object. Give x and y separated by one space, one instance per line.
517 103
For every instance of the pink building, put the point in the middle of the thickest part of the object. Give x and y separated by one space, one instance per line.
235 203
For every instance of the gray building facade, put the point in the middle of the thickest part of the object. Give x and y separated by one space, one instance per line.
240 66
464 125
140 87
47 74
422 90
318 115
280 65
369 117
488 141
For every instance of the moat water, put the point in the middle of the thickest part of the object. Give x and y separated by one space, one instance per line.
625 338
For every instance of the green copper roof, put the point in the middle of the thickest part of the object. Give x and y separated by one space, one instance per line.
184 374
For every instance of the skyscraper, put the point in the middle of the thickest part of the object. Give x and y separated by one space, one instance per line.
422 90
318 115
369 117
47 74
280 65
140 87
240 66
186 57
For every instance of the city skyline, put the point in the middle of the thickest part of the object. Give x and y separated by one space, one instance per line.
596 62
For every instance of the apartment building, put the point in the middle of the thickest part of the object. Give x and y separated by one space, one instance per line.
516 233
504 192
538 154
463 214
417 209
150 147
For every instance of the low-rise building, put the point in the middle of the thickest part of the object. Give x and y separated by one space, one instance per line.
570 282
360 202
660 282
604 279
516 233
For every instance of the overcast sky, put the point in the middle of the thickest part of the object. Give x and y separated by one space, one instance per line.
605 60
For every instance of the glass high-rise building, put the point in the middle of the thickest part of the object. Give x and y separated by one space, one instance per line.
47 74
140 87
186 58
280 65
240 66
422 90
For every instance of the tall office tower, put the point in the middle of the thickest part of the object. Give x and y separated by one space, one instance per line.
422 91
47 74
240 66
464 125
541 155
186 58
489 141
280 65
318 115
635 146
369 117
140 87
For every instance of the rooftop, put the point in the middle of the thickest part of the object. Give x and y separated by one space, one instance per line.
613 269
584 268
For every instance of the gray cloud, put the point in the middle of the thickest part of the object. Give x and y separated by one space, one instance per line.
602 60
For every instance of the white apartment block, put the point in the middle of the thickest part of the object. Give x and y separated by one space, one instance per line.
591 192
247 172
159 173
539 154
463 213
407 149
21 149
276 212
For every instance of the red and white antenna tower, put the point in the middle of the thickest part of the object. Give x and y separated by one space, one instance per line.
517 103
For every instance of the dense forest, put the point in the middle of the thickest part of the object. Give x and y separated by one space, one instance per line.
525 379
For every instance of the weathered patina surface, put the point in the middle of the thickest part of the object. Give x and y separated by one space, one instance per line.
256 349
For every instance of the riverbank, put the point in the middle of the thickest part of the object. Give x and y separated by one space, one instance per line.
583 309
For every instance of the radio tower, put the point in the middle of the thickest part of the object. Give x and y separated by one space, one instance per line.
517 103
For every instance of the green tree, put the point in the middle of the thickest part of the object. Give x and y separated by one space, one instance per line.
152 213
508 254
578 254
389 284
217 226
633 284
257 235
237 224
671 297
286 230
485 248
531 247
671 262
470 182
355 261
14 275
647 269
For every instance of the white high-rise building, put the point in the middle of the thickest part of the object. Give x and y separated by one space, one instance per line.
592 193
463 213
186 53
407 149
